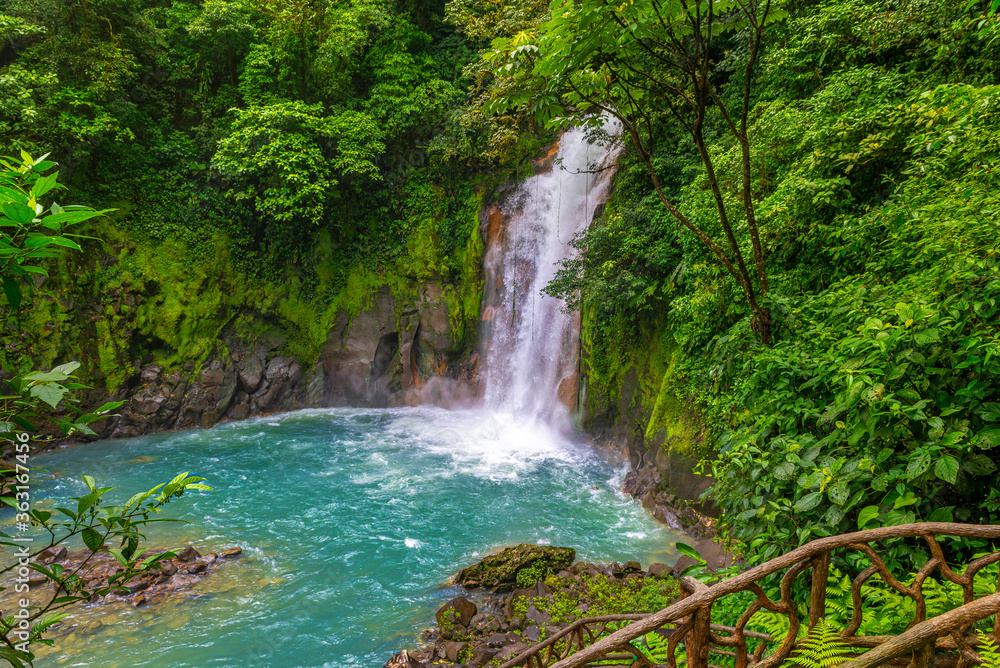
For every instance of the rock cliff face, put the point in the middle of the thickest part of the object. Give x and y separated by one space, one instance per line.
661 476
391 354
414 342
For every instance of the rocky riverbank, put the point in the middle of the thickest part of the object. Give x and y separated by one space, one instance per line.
175 574
529 593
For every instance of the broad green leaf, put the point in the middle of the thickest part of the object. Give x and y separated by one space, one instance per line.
904 500
942 514
859 431
897 517
689 551
15 657
23 423
92 539
12 292
784 471
988 438
50 393
18 212
808 502
153 559
833 516
117 554
839 492
110 406
946 468
41 516
867 514
48 620
952 438
44 185
71 217
978 464
66 243
73 427
989 412
178 478
55 376
137 499
11 195
918 465
86 501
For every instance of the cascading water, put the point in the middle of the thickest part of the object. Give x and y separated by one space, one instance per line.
532 347
368 510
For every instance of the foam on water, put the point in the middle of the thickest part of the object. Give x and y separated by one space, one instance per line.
350 521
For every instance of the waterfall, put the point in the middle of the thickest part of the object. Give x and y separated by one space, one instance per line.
532 347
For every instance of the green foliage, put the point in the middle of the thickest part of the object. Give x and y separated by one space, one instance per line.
883 387
874 175
822 648
988 651
656 647
604 595
96 523
536 572
287 158
26 227
884 611
887 612
29 392
267 160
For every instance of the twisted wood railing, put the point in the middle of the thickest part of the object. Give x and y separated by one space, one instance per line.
688 621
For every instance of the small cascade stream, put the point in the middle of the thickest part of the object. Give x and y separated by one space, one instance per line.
531 345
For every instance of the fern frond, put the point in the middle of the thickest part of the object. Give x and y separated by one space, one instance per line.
658 647
823 648
988 651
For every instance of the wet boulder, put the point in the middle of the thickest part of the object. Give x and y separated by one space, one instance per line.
187 554
402 660
456 612
498 572
51 554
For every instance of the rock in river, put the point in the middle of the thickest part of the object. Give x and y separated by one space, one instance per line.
457 611
498 572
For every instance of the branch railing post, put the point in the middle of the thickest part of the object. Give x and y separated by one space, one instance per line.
700 635
817 595
690 617
923 656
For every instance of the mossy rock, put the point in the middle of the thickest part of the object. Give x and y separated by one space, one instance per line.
498 572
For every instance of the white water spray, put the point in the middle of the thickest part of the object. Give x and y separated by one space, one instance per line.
532 347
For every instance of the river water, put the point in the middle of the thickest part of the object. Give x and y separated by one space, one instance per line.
351 520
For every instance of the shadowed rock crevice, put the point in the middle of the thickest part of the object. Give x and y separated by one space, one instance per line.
386 353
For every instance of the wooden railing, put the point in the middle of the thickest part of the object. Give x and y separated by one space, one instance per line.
688 621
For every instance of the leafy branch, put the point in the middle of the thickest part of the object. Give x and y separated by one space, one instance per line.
97 524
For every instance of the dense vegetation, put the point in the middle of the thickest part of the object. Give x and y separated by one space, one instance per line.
274 163
873 132
260 156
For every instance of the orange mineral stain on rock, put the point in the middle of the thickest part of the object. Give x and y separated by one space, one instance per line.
567 391
545 163
494 225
